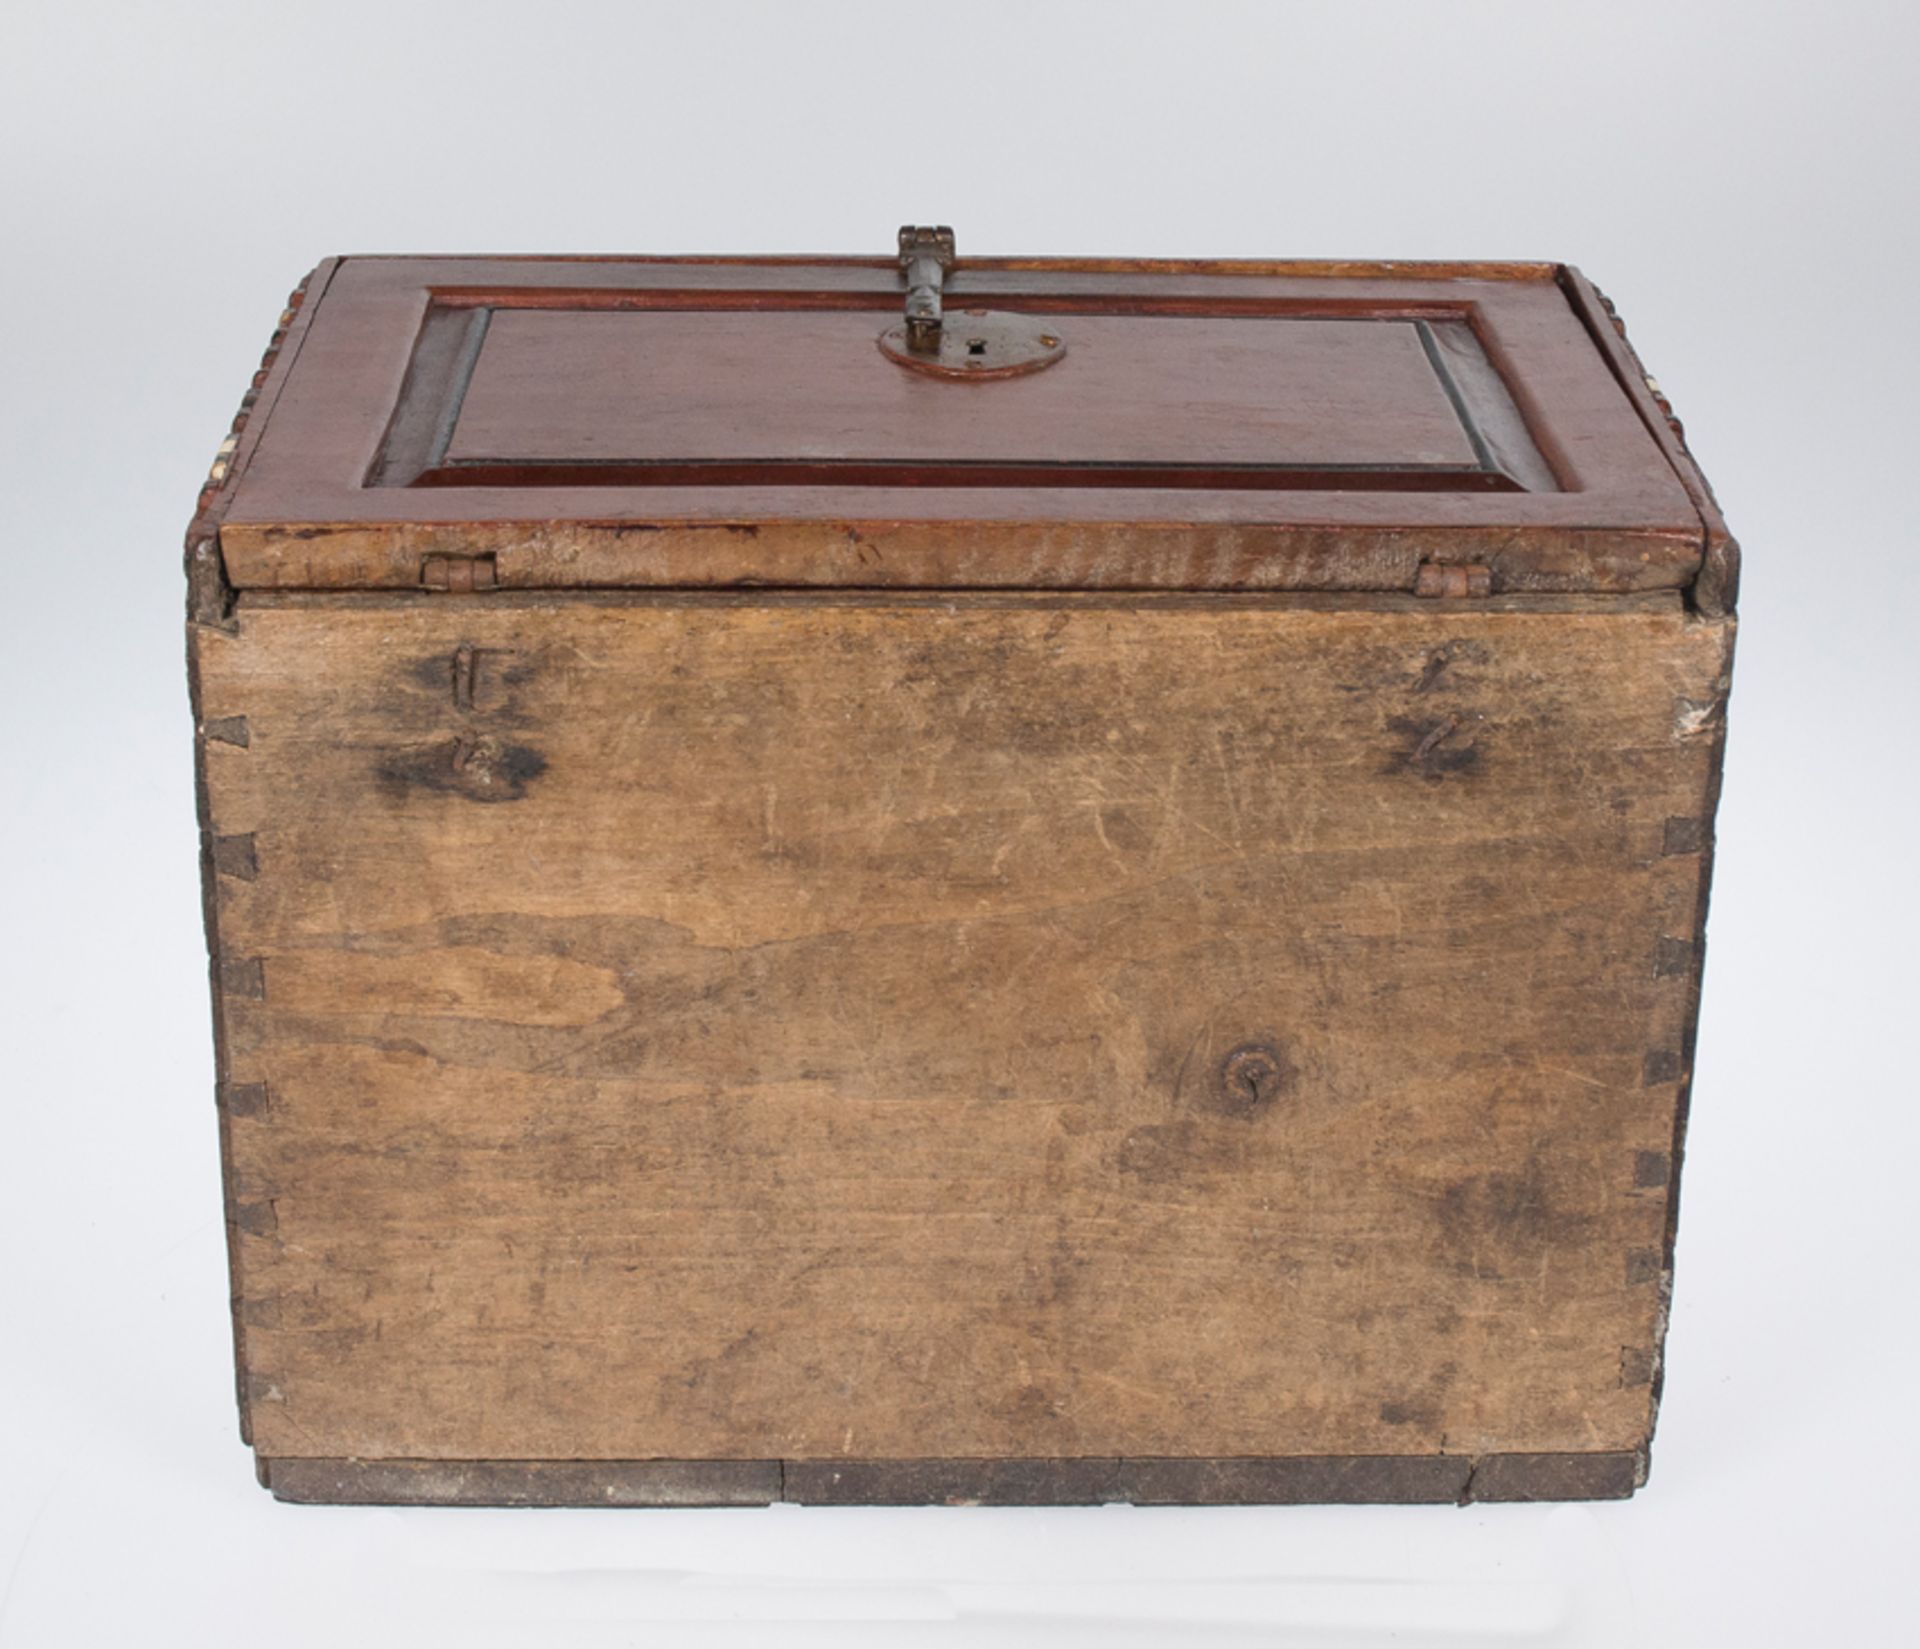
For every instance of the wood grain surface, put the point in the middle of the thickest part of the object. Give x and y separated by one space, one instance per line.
679 1028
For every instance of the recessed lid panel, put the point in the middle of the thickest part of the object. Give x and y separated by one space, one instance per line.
658 422
612 394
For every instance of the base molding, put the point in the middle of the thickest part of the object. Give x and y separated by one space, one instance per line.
1297 1481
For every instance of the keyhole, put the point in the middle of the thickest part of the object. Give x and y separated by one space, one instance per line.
976 346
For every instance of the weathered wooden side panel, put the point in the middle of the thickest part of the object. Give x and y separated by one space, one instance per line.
677 1029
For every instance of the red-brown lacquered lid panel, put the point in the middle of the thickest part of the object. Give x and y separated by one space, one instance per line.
609 394
634 422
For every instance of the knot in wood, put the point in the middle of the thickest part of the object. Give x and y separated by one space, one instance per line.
1251 1078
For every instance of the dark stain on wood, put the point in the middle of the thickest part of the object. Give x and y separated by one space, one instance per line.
1650 1170
476 766
1438 747
1497 1224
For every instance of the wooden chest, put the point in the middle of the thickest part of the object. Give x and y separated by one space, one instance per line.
881 879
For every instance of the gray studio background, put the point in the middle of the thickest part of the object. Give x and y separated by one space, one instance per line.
1741 179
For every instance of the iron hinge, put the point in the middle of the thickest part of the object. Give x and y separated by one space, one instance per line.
458 574
1451 579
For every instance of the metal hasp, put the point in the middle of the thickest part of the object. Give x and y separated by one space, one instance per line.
983 344
926 256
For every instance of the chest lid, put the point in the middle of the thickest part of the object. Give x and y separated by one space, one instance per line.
923 421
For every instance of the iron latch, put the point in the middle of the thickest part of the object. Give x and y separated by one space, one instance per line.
981 343
926 258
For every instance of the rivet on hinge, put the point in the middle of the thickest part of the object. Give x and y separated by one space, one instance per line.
1436 578
458 574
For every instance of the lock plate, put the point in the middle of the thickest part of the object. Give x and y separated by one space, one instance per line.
979 344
